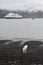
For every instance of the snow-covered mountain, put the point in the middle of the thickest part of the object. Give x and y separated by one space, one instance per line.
33 10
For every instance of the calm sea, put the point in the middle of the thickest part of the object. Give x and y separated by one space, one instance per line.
21 28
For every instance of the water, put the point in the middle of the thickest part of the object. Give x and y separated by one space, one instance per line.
21 28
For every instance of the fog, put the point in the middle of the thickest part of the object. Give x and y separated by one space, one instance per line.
21 4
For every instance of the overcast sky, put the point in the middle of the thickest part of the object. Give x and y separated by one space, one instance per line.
21 4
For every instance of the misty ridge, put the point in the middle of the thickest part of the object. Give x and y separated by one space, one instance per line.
35 13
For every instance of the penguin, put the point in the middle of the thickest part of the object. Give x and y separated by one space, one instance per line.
25 47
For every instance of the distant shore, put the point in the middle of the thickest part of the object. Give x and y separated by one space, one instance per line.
25 14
